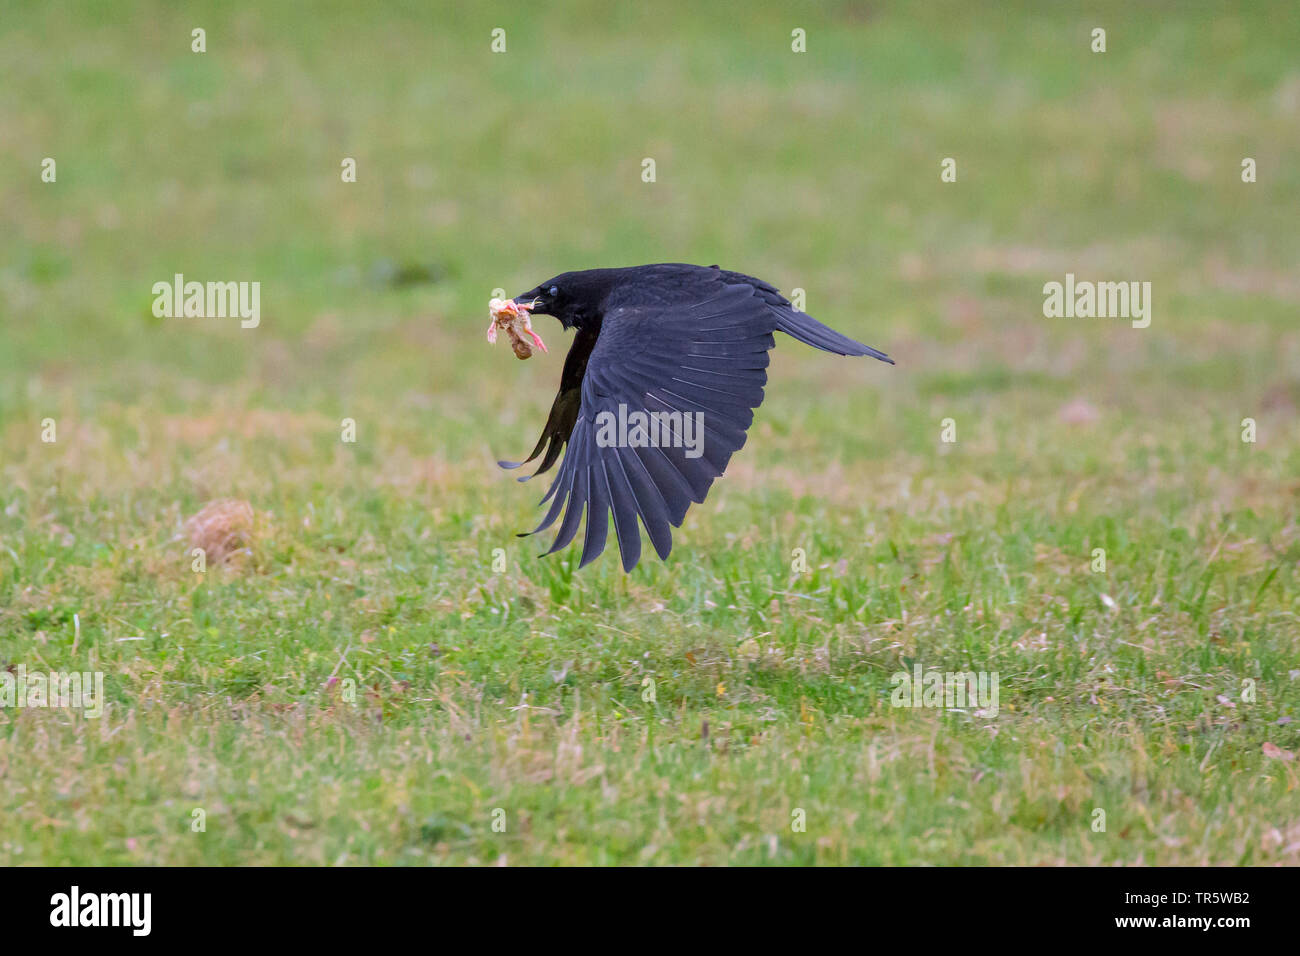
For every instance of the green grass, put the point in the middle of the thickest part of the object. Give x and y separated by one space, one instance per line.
526 690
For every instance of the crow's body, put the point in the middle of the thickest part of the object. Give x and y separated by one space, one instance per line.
659 338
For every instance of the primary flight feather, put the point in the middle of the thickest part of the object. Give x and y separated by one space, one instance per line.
679 350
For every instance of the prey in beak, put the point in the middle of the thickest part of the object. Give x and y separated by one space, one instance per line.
513 316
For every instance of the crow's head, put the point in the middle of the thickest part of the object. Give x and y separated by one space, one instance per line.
577 299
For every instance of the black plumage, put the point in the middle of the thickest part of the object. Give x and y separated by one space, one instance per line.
658 338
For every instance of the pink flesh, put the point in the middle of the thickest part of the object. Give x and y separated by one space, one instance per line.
522 310
538 339
515 311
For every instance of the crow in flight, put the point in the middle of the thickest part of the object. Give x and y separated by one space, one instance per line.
666 347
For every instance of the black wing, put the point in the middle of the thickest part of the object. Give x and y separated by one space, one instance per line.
709 358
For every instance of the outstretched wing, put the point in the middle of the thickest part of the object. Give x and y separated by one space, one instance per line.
707 360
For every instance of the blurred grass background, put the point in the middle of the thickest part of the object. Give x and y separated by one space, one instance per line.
819 171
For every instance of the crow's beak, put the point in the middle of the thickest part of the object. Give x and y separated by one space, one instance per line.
530 302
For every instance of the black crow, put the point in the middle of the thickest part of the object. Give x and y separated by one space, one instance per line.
668 364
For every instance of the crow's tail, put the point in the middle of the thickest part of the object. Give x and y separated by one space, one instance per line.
806 329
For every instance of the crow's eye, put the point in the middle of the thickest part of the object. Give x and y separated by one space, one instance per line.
554 291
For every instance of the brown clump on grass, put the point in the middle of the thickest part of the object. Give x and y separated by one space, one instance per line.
223 529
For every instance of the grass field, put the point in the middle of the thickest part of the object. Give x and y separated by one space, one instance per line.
1160 690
